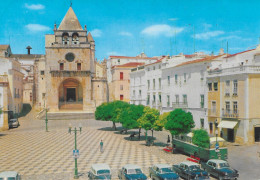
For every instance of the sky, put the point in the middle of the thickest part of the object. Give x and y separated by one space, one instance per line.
129 27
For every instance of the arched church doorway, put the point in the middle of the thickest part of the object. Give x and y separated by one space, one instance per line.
70 94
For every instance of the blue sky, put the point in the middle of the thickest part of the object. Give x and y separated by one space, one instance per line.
128 27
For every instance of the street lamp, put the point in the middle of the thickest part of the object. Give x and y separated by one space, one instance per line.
46 118
75 152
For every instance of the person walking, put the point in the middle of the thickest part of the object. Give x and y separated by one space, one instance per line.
101 145
168 140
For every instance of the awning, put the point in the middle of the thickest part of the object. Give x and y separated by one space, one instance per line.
227 124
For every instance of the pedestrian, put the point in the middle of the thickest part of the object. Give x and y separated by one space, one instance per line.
101 145
168 140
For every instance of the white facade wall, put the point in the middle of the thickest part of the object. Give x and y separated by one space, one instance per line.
1 106
138 88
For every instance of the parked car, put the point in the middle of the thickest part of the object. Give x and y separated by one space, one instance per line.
13 123
99 171
220 169
162 171
131 172
9 175
190 170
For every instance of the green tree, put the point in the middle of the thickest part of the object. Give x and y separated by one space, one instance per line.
179 122
160 122
148 118
201 138
129 117
100 111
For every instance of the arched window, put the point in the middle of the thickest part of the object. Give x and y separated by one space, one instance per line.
75 38
65 38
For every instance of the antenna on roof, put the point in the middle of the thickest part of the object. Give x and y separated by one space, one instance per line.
70 3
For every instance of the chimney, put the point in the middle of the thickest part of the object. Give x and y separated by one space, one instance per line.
29 49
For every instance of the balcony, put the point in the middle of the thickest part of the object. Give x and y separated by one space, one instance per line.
227 113
213 112
182 105
235 70
3 79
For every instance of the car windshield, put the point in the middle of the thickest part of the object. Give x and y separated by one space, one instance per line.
103 171
165 170
11 178
194 167
223 165
134 171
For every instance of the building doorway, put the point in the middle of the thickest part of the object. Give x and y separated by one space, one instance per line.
257 134
71 94
230 135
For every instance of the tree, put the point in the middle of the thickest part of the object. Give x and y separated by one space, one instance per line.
110 111
201 138
160 122
179 122
148 118
129 117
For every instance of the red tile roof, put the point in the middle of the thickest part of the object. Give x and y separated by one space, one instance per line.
231 55
159 60
198 60
131 64
128 57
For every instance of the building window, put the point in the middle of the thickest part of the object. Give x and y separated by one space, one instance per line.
235 87
121 75
14 92
79 66
176 78
140 92
42 72
148 69
133 92
177 99
227 83
213 107
184 75
65 38
148 83
160 83
185 99
153 83
227 107
215 86
30 96
169 80
210 86
159 66
201 123
148 100
75 38
168 100
121 97
211 128
154 98
121 87
154 68
235 107
61 66
201 101
118 61
160 98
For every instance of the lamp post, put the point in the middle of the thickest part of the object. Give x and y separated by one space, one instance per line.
76 176
46 118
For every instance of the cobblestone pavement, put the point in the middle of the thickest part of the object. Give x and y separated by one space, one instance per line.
37 154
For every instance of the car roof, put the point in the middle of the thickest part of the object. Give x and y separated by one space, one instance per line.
162 165
189 163
8 174
131 166
217 161
100 166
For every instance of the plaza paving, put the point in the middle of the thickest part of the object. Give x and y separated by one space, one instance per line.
37 154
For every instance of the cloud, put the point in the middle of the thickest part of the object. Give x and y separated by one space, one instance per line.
114 53
34 6
124 33
96 33
173 19
208 35
234 37
207 26
37 27
161 30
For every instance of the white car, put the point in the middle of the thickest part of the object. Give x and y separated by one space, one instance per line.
9 175
99 171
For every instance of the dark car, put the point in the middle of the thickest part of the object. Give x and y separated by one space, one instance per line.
13 123
99 171
220 169
162 172
131 172
190 170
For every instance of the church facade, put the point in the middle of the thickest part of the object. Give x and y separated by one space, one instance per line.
69 70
